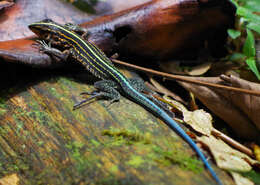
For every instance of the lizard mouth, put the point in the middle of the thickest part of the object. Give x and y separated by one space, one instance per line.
39 32
35 29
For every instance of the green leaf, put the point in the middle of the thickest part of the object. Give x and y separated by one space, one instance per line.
249 46
252 5
252 65
234 33
248 15
252 175
254 26
237 57
234 2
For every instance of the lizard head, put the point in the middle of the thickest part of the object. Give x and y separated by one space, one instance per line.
46 29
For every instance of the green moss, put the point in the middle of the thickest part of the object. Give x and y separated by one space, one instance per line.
177 157
114 169
127 137
75 147
2 111
75 152
14 166
84 161
136 161
53 90
3 130
155 152
19 125
109 180
95 143
40 143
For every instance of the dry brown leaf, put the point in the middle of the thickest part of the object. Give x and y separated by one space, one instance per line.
238 110
199 69
10 180
226 157
174 67
227 67
240 180
160 88
199 120
247 103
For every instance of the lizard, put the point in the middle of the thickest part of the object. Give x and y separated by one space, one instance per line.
74 43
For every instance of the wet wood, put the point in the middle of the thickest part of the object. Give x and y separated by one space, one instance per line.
44 142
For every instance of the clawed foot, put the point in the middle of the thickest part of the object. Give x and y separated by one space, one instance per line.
44 46
93 94
105 89
110 102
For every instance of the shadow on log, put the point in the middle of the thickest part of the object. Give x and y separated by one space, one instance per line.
44 142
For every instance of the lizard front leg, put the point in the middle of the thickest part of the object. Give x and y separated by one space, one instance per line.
57 55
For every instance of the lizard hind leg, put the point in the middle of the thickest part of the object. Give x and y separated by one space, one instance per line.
139 85
108 90
105 89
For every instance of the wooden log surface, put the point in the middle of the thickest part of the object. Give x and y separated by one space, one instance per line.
43 141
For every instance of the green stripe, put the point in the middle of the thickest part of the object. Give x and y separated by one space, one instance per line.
91 50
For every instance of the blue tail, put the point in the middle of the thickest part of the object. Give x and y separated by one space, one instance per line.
173 125
140 99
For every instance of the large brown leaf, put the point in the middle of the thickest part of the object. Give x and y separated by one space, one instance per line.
14 20
238 110
158 28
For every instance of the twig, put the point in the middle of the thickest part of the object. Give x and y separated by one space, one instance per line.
187 79
232 142
220 135
165 91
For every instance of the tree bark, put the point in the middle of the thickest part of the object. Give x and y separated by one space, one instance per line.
44 141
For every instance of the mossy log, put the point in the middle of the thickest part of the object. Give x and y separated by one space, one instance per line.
44 141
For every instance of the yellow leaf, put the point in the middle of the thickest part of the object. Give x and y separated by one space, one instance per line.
240 180
257 152
226 157
199 120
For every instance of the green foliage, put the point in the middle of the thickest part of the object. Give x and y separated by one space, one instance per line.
253 176
248 21
234 33
85 5
249 46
